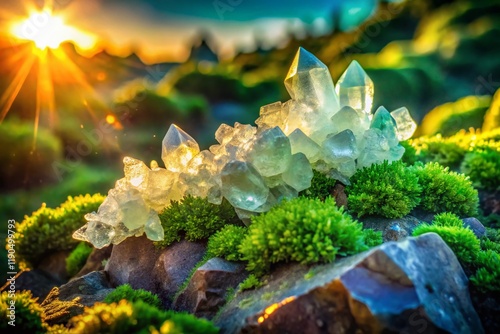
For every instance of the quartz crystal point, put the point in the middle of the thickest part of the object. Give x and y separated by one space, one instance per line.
348 118
299 173
405 124
355 88
271 152
383 121
243 186
309 82
301 143
340 148
178 149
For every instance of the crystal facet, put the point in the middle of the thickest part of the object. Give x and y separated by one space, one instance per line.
405 124
355 88
178 149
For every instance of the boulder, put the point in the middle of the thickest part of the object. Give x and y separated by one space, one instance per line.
209 286
90 288
37 281
412 286
136 261
475 225
392 229
95 260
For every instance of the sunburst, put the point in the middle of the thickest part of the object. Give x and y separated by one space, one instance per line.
38 36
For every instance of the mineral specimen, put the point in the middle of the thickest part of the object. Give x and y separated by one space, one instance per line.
326 127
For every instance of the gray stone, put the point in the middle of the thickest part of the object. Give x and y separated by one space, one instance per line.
475 225
91 288
54 265
37 281
95 260
208 288
392 229
413 286
173 267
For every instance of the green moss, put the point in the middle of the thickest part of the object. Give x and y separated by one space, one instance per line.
195 218
251 282
410 155
446 191
373 238
138 317
487 276
27 316
321 186
389 190
462 241
447 219
448 152
77 258
483 168
225 242
302 230
126 292
50 230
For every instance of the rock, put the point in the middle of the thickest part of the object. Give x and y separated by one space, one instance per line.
173 267
37 281
413 286
54 266
137 262
392 229
475 225
208 288
95 260
90 288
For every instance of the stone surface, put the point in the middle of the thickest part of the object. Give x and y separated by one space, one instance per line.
208 288
412 286
475 225
392 229
37 281
96 260
137 262
54 266
90 288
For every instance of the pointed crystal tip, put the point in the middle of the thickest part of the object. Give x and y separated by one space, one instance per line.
304 61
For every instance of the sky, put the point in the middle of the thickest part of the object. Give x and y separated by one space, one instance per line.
165 29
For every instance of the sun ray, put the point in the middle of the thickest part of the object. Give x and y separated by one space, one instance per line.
15 86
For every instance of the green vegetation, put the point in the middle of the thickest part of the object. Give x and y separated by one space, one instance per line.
138 317
28 313
251 282
225 242
321 186
447 219
461 240
389 190
482 165
448 152
446 191
77 258
126 292
302 230
49 230
195 218
487 276
372 238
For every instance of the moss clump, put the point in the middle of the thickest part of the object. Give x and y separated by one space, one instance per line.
446 191
447 219
487 276
483 167
126 292
302 230
195 218
138 317
373 238
27 316
77 258
49 230
389 190
225 243
251 282
446 151
321 186
462 241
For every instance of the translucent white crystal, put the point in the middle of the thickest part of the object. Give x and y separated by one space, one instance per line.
136 173
301 143
309 82
299 173
178 149
406 126
134 210
157 194
348 118
271 152
270 116
355 88
243 186
340 148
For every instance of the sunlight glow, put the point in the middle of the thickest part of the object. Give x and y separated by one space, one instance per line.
49 31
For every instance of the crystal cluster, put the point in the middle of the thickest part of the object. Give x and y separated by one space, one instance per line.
323 126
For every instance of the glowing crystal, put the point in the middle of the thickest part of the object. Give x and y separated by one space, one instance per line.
405 124
355 88
178 149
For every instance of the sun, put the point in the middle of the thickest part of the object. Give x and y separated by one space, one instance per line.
49 31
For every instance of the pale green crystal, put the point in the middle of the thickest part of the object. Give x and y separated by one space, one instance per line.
383 121
301 143
348 118
153 228
406 126
340 148
355 88
299 173
243 186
